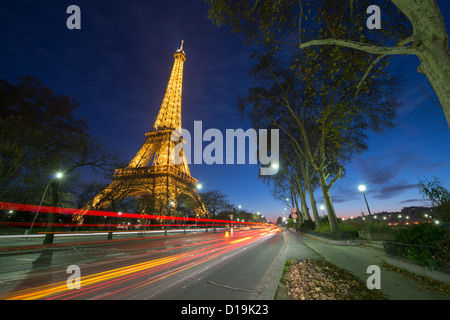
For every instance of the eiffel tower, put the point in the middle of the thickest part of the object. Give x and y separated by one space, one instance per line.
153 171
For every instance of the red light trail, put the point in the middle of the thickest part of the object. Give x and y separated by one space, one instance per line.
107 284
105 214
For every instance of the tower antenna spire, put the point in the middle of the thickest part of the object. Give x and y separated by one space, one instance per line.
182 41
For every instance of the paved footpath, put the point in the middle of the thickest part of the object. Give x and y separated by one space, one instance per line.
356 259
293 249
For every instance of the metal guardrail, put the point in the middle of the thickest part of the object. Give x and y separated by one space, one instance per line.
427 256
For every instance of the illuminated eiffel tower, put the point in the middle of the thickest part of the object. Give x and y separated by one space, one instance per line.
153 171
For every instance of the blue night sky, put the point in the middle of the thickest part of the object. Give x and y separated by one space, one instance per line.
118 66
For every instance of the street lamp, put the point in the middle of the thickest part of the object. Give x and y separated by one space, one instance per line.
322 208
58 176
199 186
362 188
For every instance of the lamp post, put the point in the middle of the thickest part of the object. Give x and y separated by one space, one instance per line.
59 175
362 188
37 212
53 184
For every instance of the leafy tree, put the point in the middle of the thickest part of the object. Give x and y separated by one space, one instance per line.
214 201
439 197
409 27
324 108
279 221
41 136
36 127
312 101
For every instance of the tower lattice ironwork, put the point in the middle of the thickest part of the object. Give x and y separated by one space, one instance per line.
153 170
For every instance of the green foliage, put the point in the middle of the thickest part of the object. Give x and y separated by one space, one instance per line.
291 224
425 234
377 226
308 225
325 227
287 264
346 231
350 226
39 136
426 244
439 197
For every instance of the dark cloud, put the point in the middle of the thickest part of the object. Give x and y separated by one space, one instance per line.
411 201
393 190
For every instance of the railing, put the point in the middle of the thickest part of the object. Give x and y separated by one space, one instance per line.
154 169
427 256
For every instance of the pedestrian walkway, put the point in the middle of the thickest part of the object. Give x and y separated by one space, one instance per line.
356 260
292 250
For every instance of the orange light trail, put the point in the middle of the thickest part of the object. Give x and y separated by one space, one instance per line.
107 279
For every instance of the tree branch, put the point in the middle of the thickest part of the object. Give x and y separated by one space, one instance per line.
360 46
400 44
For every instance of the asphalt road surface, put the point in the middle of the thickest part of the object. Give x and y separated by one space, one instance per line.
205 266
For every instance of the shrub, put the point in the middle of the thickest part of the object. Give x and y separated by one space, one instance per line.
425 234
350 226
425 243
325 227
377 226
308 225
439 197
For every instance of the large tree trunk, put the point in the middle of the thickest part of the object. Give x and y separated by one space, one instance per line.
430 41
308 181
304 205
312 200
332 219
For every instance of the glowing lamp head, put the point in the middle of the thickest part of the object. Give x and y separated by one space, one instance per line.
199 186
362 188
59 175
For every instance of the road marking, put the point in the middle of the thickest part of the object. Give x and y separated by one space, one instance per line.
114 254
231 288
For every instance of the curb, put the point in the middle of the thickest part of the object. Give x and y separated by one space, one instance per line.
418 269
271 287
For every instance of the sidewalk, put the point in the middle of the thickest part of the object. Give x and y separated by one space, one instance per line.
356 259
292 250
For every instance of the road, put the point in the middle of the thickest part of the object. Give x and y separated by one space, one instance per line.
205 266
